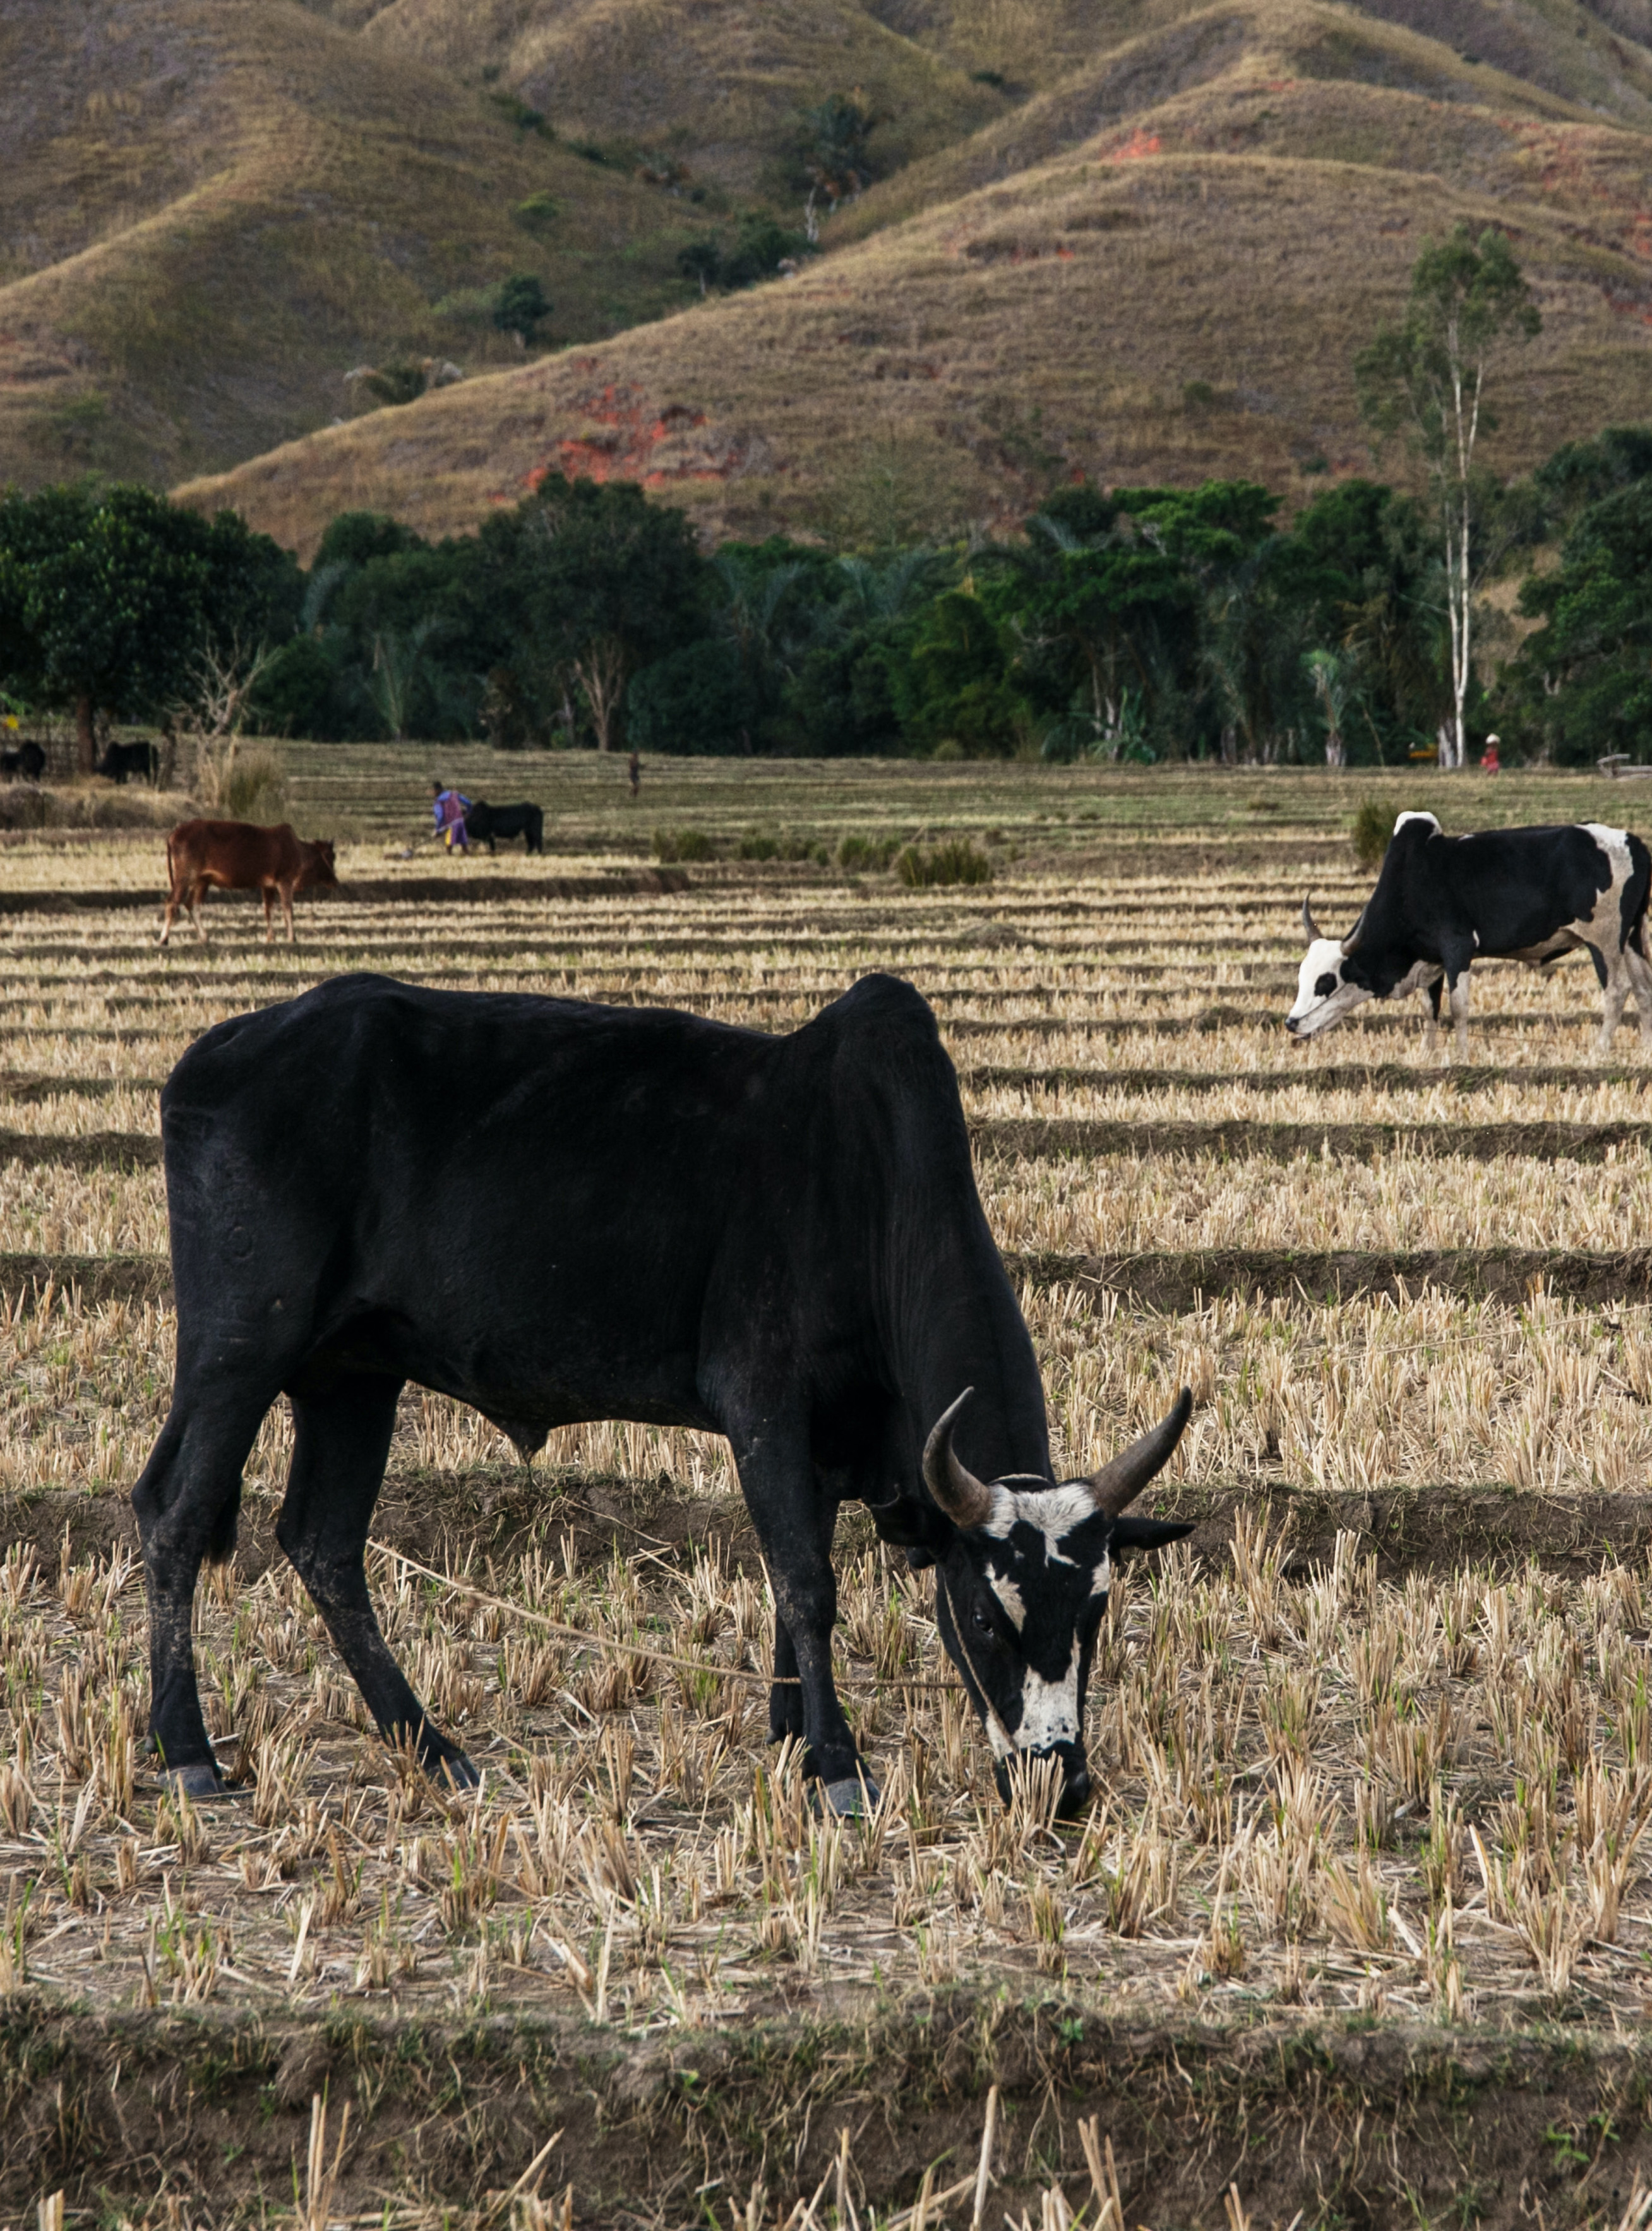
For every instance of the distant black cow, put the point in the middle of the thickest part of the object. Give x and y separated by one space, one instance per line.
1442 902
120 760
484 823
27 763
557 1212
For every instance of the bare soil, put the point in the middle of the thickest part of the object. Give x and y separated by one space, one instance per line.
181 2118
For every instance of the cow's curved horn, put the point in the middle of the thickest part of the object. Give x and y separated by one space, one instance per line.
1121 1481
960 1495
1310 927
1353 937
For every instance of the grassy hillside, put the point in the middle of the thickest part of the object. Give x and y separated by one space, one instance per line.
1179 295
209 213
717 87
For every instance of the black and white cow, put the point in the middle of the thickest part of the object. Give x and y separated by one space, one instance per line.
1442 902
555 1211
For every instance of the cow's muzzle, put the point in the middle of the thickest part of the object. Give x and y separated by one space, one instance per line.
1075 1776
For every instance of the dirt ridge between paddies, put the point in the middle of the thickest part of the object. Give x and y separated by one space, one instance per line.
26 1086
1353 2120
393 890
1036 1138
502 1509
1172 1283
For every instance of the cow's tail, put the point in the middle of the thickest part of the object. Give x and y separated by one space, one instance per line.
1635 897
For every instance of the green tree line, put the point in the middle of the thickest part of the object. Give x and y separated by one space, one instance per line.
1141 624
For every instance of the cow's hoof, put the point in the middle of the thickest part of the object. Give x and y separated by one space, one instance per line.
201 1785
456 1772
851 1800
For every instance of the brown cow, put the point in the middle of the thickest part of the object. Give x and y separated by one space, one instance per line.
239 856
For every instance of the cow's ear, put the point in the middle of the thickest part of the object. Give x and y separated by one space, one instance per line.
909 1523
1146 1533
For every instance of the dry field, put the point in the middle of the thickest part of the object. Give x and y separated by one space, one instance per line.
1359 1931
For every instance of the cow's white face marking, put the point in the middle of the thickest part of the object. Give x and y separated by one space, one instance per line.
1050 1710
1010 1596
1049 1713
1055 1511
1323 995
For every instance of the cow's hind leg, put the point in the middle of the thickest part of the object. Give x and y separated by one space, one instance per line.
185 1503
340 1441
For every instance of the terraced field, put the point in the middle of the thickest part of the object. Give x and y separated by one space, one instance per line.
1358 1931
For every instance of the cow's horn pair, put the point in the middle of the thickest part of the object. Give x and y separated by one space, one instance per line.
968 1502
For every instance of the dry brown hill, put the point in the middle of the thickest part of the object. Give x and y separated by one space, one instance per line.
210 211
718 85
1180 294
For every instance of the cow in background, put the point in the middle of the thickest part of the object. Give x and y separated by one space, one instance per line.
484 823
240 856
26 763
1442 902
121 760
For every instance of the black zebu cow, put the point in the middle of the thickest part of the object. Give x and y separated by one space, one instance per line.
557 1211
120 760
1442 902
484 823
27 763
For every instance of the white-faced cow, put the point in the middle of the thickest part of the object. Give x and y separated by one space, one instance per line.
557 1211
1442 903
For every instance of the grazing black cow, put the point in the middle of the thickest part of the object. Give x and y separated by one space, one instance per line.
557 1211
26 763
484 823
1442 902
120 760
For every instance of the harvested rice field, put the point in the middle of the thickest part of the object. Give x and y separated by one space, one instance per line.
1358 1928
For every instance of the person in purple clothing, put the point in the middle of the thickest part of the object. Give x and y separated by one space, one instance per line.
449 807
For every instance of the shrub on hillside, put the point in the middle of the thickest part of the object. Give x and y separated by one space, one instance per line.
954 861
869 854
759 844
241 783
1368 832
672 844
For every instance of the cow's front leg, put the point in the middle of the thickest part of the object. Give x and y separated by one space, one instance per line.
270 914
794 1522
1640 976
785 1697
340 1441
1458 982
1615 989
1431 1019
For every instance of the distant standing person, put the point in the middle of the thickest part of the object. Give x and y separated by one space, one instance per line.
1489 762
449 807
635 772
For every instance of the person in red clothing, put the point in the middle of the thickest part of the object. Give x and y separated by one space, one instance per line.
1489 762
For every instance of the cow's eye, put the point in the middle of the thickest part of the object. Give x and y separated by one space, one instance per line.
981 1623
1325 987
